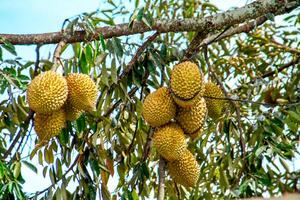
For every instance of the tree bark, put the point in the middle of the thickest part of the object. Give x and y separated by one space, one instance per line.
211 23
161 181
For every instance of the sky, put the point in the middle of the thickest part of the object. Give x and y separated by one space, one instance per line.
39 16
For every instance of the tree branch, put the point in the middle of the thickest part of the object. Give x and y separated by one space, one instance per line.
56 55
200 42
161 175
211 23
283 67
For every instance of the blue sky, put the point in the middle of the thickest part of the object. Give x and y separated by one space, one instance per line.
39 16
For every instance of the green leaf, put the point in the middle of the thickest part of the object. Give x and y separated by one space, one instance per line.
17 169
10 48
140 14
294 116
1 53
114 73
30 166
102 41
104 76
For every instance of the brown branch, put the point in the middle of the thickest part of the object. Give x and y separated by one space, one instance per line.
138 53
244 101
161 181
283 67
56 55
245 28
278 45
37 61
211 23
147 145
271 73
194 45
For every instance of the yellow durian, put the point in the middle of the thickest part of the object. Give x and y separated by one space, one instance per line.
47 92
215 107
192 119
159 107
169 140
49 125
83 92
186 84
185 170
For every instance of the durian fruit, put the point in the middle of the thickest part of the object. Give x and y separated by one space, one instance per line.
191 120
186 83
159 107
72 113
82 92
49 125
215 107
47 92
185 170
169 140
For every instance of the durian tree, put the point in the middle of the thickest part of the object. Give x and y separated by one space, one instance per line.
84 114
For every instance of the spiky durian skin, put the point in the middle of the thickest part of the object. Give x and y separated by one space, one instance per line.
214 106
159 107
169 140
47 92
49 125
72 113
185 170
192 119
82 92
186 83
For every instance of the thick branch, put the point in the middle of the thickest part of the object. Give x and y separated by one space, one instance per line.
215 22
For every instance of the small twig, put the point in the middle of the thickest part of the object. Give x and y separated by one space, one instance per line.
56 55
136 125
147 146
37 61
194 45
129 67
283 67
177 191
161 182
284 47
63 176
14 142
138 53
131 93
244 101
271 73
227 32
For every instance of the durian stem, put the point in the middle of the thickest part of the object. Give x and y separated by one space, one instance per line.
161 175
56 55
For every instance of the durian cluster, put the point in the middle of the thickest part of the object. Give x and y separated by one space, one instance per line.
181 110
56 99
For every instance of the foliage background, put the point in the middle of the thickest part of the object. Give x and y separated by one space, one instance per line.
99 146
